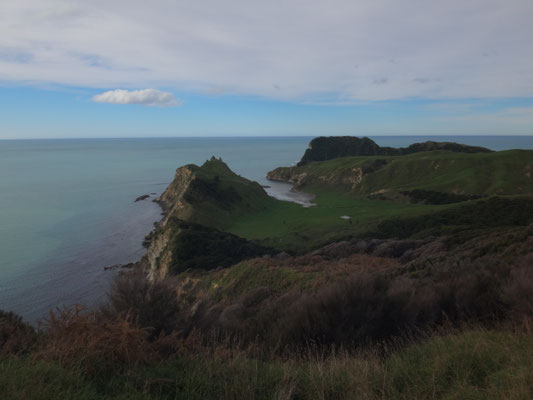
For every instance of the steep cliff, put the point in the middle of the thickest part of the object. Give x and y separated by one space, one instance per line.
210 195
345 173
198 204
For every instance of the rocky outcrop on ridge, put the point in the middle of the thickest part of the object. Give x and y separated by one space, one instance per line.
327 148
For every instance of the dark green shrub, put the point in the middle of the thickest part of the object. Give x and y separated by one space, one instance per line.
200 247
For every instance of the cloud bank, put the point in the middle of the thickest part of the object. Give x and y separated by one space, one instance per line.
145 97
301 50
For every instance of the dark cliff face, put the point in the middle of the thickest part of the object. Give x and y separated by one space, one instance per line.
197 246
327 148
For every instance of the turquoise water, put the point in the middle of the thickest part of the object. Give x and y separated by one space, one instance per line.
67 209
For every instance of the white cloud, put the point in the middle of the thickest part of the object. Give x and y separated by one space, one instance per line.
303 50
146 97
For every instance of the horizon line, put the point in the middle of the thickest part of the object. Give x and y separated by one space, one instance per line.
261 136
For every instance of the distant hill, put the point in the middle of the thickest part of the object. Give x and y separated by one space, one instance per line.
481 174
327 148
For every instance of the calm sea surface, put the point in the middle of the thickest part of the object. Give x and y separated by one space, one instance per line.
67 209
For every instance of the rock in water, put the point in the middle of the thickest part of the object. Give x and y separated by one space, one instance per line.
143 197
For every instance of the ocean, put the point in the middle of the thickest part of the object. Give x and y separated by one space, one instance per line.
67 207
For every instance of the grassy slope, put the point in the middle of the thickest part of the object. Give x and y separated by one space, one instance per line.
503 172
292 227
223 196
288 226
475 364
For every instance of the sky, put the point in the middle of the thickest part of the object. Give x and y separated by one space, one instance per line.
114 68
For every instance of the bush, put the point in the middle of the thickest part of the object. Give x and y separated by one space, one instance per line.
76 337
362 308
150 305
15 335
491 213
433 197
518 290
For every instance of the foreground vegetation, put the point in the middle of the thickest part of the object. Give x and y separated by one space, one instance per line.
328 325
470 364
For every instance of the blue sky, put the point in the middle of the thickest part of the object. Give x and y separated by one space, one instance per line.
119 69
30 112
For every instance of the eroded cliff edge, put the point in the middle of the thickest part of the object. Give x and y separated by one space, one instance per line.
198 204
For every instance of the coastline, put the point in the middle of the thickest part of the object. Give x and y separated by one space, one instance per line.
76 275
277 189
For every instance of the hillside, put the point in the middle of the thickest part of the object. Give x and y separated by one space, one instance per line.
483 174
211 195
327 148
198 204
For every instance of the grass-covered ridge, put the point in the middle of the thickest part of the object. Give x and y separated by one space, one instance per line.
200 204
212 195
502 172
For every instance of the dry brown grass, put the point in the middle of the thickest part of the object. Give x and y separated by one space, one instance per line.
75 336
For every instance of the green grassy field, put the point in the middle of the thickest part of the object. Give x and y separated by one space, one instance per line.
503 172
292 227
